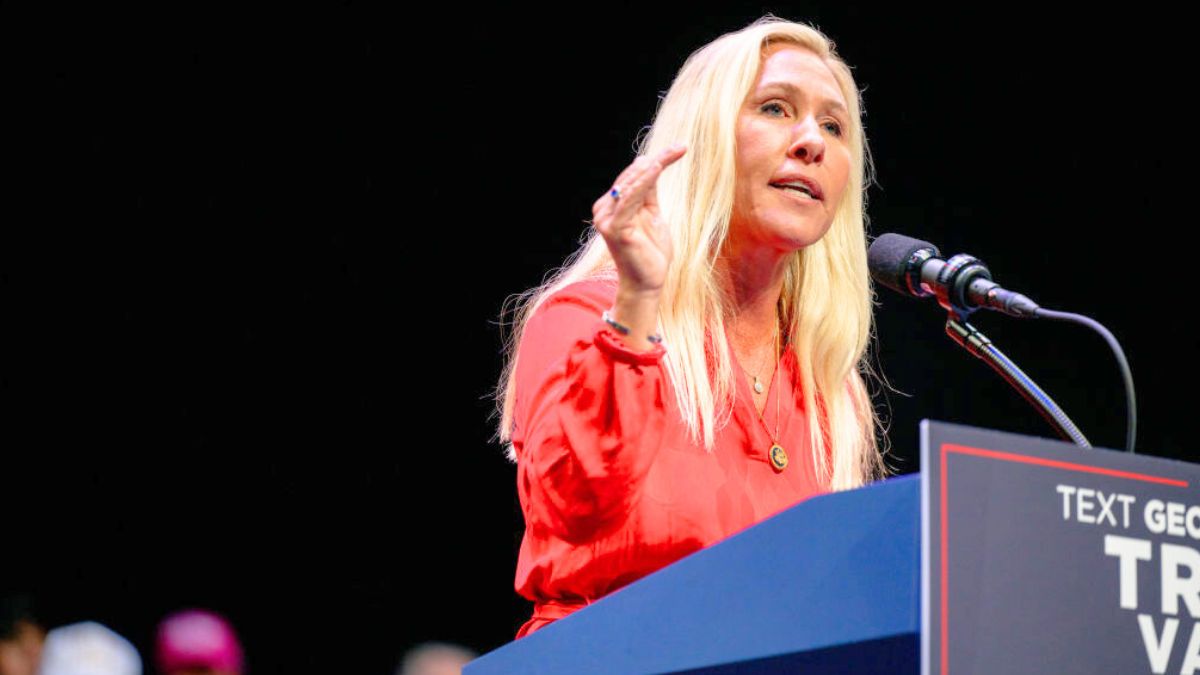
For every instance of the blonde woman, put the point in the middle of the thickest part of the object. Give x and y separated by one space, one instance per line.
697 365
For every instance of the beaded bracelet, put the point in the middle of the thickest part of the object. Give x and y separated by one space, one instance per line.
655 338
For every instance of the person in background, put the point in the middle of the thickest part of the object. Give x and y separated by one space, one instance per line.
88 648
435 658
197 642
21 636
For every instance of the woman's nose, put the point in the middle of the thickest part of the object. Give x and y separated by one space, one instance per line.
808 145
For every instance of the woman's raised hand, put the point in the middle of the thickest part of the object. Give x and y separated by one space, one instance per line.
628 218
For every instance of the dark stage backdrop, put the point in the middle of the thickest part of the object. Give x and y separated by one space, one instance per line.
254 260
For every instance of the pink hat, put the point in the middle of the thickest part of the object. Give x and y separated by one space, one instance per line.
197 638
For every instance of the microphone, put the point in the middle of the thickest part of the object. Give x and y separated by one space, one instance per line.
961 284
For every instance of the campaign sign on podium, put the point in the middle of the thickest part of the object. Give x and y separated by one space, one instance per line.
1041 557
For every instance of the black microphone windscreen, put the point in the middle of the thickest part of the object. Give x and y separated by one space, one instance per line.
888 259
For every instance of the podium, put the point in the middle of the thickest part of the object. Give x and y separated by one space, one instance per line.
1007 554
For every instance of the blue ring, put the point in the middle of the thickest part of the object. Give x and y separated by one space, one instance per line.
615 193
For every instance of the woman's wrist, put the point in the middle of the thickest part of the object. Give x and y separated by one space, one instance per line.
621 328
635 314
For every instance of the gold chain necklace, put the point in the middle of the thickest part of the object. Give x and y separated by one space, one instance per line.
777 455
758 386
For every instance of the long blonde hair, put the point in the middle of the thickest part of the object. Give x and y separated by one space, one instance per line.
826 300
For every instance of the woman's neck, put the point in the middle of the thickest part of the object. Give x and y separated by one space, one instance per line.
754 282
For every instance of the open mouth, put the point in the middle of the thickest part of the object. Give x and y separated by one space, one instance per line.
798 188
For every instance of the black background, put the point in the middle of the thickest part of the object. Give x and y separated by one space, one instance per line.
254 260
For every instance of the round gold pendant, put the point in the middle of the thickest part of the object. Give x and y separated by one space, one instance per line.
778 457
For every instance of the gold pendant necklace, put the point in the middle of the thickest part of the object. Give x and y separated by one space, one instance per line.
758 385
777 455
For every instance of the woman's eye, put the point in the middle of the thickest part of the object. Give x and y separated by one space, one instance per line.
773 109
833 128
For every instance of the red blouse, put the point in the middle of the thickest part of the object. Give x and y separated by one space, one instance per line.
611 486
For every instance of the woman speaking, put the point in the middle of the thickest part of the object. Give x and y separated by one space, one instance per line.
698 364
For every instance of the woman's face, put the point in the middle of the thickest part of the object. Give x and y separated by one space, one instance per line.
793 162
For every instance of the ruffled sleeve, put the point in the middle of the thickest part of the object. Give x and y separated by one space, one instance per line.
589 416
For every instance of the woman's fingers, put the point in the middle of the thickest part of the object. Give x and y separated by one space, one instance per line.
638 167
644 171
636 184
628 218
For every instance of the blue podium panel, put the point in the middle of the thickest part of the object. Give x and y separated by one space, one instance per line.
830 585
